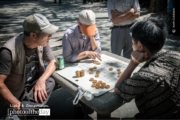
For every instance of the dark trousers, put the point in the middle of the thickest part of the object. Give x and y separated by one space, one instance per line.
27 97
121 40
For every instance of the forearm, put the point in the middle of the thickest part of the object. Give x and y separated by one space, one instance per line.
134 16
81 55
121 18
49 70
7 95
127 72
94 44
98 50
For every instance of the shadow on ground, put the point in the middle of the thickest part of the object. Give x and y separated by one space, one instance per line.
61 105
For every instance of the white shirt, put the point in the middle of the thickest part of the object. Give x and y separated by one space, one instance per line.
123 6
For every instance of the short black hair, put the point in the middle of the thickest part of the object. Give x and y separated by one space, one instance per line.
150 32
28 33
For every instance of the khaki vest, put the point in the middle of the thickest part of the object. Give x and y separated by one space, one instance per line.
16 79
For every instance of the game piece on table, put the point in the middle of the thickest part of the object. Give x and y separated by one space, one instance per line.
110 69
91 72
107 86
94 67
91 79
97 75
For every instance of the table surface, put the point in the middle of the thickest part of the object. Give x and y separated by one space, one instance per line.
104 104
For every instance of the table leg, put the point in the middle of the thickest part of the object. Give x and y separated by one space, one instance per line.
103 117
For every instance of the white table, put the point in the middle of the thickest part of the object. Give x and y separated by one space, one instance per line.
104 104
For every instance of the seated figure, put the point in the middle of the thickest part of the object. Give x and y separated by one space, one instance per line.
82 40
156 86
24 81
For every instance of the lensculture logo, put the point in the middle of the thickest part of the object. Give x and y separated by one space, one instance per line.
30 112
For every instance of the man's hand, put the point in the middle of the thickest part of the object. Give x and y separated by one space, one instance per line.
116 90
16 105
93 55
132 10
118 17
40 91
138 57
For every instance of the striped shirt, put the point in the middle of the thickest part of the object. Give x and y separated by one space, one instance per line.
155 87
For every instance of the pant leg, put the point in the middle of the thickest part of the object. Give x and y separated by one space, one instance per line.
127 50
3 108
28 97
117 40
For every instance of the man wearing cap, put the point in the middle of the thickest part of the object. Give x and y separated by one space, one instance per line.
82 40
23 78
122 13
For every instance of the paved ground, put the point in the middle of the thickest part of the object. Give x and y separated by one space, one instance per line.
13 12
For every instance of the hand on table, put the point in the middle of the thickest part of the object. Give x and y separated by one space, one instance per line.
93 55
